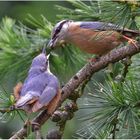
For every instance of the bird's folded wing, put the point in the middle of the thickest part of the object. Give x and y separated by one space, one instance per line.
23 100
102 26
45 98
99 26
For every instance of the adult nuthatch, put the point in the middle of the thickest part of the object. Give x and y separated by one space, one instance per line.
40 89
91 37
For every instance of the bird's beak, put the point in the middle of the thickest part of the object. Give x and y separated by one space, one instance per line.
51 44
48 56
55 42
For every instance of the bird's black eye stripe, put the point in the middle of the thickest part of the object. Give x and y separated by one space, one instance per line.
57 30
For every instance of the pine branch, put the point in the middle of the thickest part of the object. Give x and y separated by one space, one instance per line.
126 62
88 70
61 117
114 127
66 113
4 110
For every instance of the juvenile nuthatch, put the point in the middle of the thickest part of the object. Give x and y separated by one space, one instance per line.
92 37
40 89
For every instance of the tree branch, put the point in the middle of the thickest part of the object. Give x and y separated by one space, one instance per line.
87 71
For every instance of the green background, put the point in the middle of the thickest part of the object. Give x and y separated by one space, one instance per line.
19 11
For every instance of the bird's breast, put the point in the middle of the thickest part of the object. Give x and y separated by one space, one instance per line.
93 41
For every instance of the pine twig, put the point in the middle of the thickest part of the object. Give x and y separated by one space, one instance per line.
88 70
5 110
115 122
127 62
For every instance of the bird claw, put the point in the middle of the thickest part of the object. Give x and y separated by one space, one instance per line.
131 41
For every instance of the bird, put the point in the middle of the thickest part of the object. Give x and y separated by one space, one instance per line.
91 37
40 90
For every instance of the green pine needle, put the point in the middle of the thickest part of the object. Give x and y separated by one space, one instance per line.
111 101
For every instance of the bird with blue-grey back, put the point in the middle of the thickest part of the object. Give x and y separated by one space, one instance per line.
92 37
40 90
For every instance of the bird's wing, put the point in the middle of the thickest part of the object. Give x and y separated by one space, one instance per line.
23 100
99 26
46 97
102 26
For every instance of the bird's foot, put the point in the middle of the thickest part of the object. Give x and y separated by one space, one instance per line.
131 41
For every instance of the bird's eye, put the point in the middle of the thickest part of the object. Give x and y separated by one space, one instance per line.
57 30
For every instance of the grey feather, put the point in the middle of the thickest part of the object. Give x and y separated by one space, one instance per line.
23 100
102 26
40 83
48 94
99 26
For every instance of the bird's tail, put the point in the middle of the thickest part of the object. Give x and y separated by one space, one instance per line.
131 33
23 100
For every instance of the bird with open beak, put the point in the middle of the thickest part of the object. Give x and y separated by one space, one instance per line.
40 89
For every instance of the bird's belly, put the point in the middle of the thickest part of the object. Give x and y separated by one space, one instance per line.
96 42
97 47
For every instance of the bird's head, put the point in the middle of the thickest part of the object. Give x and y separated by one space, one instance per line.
59 32
41 61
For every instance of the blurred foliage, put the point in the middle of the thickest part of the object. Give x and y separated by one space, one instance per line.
7 111
112 104
108 11
81 11
19 9
19 44
16 49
